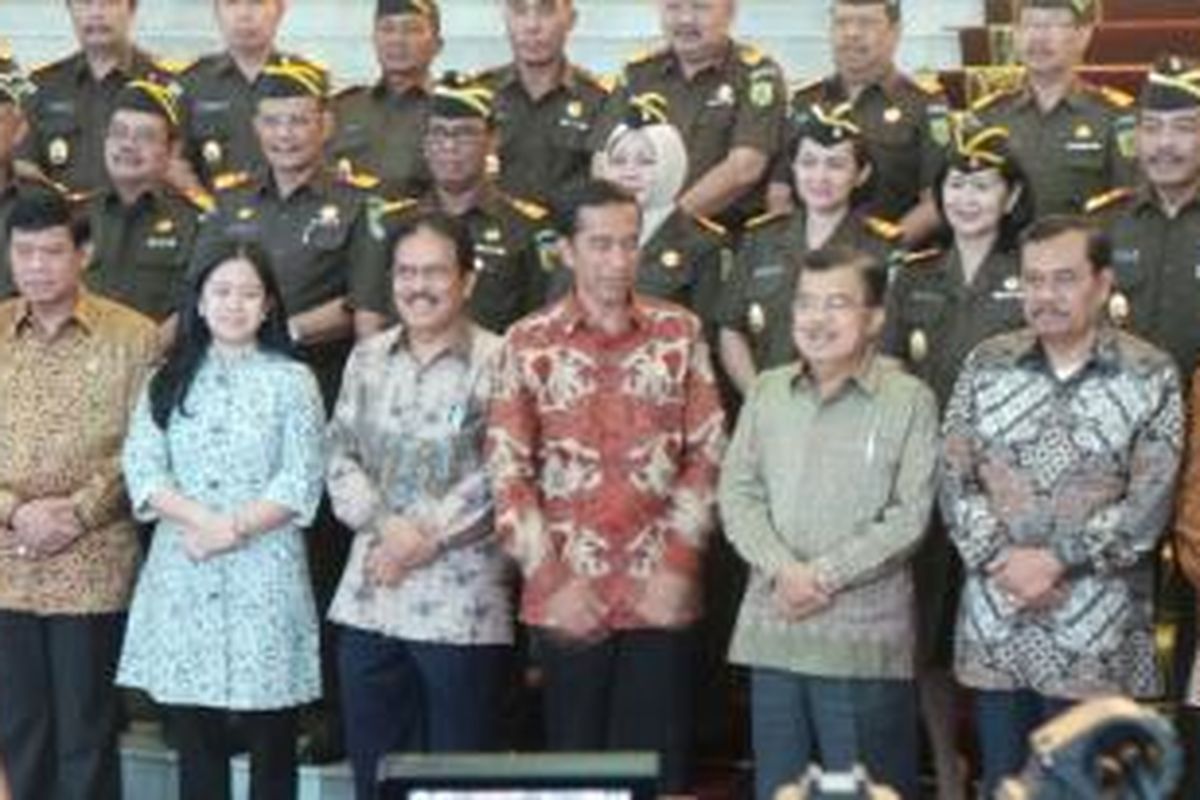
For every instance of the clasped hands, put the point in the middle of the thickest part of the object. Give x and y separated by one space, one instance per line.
401 546
798 591
42 528
1030 577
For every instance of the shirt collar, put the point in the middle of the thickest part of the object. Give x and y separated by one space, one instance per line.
460 348
125 66
719 66
866 379
574 317
1105 355
85 316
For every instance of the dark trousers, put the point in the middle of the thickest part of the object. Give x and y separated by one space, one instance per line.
404 696
632 691
1004 720
202 738
800 719
58 706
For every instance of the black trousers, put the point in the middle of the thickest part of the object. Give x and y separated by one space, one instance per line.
632 691
58 706
202 737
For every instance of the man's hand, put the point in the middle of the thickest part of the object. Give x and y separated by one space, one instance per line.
668 600
798 592
402 546
575 612
45 527
1030 575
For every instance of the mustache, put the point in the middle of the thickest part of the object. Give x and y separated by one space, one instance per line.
418 296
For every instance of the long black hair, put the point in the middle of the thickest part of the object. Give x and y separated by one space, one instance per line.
170 385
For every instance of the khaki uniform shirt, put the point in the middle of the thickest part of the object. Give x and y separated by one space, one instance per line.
1157 264
218 108
68 116
63 421
1082 147
544 143
140 252
514 258
905 127
380 132
740 102
935 318
758 298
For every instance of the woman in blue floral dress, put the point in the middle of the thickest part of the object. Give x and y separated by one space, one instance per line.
225 455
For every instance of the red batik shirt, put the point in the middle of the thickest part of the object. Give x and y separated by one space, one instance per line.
604 451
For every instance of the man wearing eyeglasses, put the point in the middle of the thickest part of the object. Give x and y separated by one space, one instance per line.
513 239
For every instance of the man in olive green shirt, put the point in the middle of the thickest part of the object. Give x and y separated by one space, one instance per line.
219 90
726 98
826 491
545 105
1079 137
70 110
379 127
515 247
142 229
904 122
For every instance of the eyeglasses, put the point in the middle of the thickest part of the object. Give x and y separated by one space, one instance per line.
435 274
833 304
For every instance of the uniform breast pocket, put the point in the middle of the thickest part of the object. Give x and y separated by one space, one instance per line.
924 309
1085 156
352 139
60 133
325 233
669 275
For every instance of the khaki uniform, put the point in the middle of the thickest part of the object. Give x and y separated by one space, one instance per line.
218 109
140 252
1081 148
544 144
740 102
758 298
68 116
514 258
905 126
380 132
1157 265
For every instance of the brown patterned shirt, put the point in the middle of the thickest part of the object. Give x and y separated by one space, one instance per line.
1083 466
62 423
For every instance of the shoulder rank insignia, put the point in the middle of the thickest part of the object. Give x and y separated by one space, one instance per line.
1107 199
888 231
529 209
920 258
359 180
1115 97
711 226
230 180
765 218
200 199
750 55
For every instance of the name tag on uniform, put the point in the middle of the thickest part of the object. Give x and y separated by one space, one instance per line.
211 106
162 243
768 271
1085 146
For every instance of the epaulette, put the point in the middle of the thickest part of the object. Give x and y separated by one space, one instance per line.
928 83
397 206
990 99
6 52
200 199
230 180
604 84
711 226
884 229
804 87
359 180
40 69
644 56
1114 97
750 55
346 91
1107 199
529 209
919 258
174 66
763 219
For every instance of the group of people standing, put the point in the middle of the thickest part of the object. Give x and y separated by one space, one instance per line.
429 358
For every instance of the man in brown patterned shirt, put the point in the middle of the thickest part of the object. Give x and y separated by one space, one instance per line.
70 367
1061 446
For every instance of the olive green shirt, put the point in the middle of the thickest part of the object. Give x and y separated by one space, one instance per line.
380 132
219 104
1157 264
68 116
544 144
757 300
845 484
935 318
905 126
514 258
140 252
318 237
740 102
1082 147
